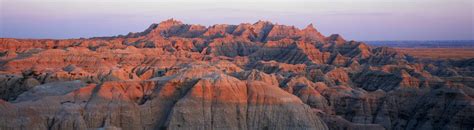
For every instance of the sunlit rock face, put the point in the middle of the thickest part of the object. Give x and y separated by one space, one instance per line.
247 76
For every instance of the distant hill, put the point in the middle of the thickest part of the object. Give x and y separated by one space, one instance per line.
424 44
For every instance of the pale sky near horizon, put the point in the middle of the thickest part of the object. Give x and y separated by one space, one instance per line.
353 19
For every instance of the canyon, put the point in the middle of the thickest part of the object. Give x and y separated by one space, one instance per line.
246 76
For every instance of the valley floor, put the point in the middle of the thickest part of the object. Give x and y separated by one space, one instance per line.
439 53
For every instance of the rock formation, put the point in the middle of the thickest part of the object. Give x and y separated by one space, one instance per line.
247 76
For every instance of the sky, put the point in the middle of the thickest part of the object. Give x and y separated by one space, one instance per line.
353 19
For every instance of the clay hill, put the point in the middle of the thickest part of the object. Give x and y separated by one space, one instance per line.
247 76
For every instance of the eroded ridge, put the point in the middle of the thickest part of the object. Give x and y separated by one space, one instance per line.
246 76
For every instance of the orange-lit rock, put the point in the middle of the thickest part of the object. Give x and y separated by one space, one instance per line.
247 76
